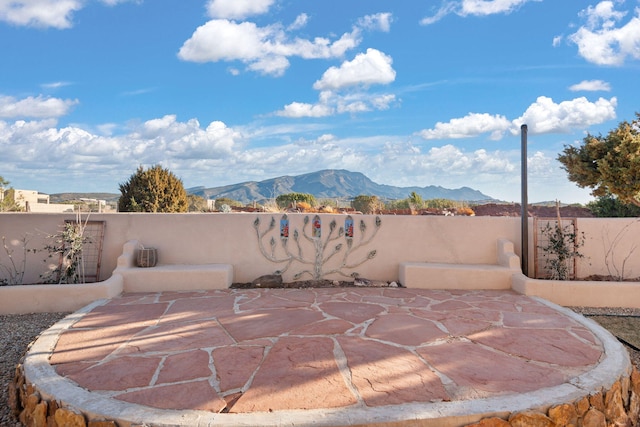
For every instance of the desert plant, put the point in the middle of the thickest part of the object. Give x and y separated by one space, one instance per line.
367 204
397 204
293 199
561 248
14 270
415 200
441 204
67 246
465 210
616 271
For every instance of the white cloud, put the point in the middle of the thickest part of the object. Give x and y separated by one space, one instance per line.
378 21
301 109
237 9
545 116
34 107
264 49
267 49
602 41
117 2
300 22
45 13
473 124
221 39
54 85
447 8
474 8
490 7
216 154
39 13
331 103
39 144
366 69
591 85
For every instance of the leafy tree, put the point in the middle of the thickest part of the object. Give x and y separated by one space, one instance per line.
153 190
367 204
610 206
285 200
609 165
416 200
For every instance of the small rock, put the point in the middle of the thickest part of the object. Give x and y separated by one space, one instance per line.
68 418
530 419
594 418
564 415
614 406
335 283
268 281
361 281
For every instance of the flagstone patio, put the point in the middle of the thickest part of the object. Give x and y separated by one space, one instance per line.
326 356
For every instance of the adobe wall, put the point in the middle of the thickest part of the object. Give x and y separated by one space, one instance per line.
233 239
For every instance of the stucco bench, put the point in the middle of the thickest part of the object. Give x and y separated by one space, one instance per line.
170 277
429 275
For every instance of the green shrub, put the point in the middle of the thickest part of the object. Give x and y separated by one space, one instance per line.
286 200
610 206
153 190
367 204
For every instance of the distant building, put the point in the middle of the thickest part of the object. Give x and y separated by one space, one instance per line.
33 201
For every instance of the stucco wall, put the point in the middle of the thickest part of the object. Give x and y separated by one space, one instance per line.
232 239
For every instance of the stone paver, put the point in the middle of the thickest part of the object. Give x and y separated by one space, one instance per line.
246 351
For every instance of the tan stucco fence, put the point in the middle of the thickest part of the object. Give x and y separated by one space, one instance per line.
425 251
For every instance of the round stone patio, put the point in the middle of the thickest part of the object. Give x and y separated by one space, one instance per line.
325 356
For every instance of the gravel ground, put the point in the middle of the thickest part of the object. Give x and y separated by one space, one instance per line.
632 313
18 331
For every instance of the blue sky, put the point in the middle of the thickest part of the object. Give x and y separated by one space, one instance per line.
224 91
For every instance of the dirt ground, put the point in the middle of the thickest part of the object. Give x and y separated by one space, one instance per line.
495 209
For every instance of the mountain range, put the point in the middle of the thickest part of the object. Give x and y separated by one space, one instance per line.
331 183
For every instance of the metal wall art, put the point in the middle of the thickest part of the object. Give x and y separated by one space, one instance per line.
325 246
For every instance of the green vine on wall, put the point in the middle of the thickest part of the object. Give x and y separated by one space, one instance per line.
561 249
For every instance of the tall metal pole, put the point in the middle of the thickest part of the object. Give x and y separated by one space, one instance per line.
524 202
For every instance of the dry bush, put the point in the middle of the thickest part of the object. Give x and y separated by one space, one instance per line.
326 209
467 211
304 207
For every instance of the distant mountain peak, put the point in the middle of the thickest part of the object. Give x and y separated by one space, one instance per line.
331 183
